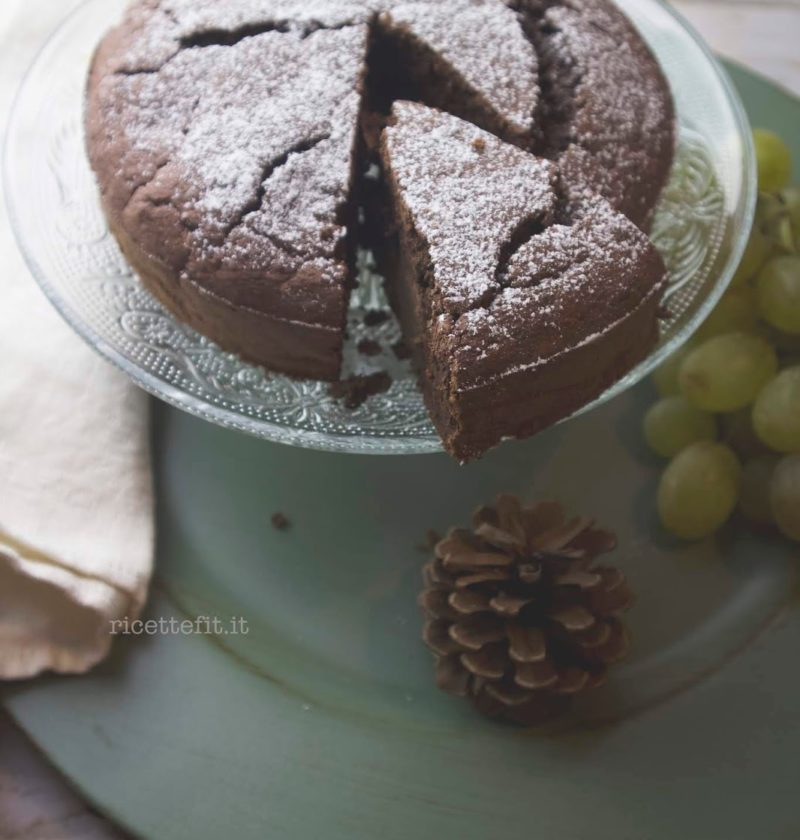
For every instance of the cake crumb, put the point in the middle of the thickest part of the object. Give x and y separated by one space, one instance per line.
368 347
479 144
375 317
281 522
356 390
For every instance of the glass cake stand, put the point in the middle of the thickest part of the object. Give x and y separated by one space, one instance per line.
701 228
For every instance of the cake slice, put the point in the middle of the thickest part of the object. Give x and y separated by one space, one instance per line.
470 58
519 306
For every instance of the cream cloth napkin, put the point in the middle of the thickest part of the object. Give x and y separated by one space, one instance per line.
76 498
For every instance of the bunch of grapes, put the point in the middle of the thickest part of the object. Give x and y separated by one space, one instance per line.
729 413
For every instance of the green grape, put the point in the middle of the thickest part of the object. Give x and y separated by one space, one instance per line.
665 376
755 255
736 312
785 496
673 423
754 494
776 414
699 490
778 294
774 161
727 372
739 434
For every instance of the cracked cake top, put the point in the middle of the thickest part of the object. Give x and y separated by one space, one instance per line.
215 164
564 288
468 193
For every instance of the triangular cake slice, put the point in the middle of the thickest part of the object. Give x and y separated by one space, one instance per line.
519 308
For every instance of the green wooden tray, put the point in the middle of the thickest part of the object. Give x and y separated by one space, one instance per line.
323 721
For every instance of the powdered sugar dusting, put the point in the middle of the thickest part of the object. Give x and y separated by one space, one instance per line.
466 192
243 115
161 27
483 41
255 144
565 287
299 15
609 118
249 115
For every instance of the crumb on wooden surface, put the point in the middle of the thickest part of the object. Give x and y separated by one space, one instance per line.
281 522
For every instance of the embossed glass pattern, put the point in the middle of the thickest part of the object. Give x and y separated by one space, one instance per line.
701 228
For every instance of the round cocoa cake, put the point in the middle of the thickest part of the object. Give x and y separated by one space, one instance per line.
231 140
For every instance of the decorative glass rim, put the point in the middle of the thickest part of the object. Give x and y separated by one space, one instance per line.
339 438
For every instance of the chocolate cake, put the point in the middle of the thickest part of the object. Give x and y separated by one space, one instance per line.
521 303
230 141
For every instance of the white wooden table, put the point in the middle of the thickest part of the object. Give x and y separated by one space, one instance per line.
35 804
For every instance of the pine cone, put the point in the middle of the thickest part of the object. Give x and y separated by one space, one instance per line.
518 617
